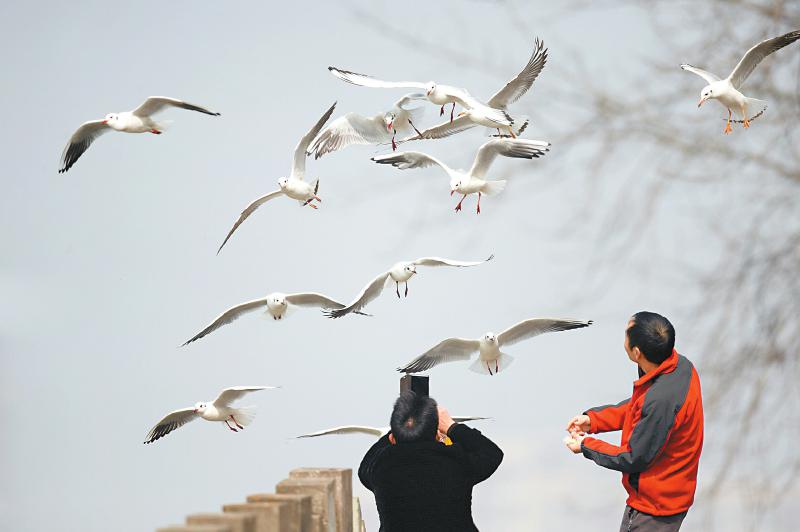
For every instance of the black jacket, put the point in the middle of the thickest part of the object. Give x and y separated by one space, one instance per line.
427 486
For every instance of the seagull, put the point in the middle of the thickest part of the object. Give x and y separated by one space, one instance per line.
354 128
473 181
401 272
139 120
488 347
437 94
218 410
293 186
373 431
275 304
726 91
510 93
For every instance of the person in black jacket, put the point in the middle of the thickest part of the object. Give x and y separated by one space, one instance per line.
422 472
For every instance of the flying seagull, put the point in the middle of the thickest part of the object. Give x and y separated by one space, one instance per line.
372 431
438 94
726 91
488 347
140 120
473 181
401 272
276 305
354 128
510 93
293 186
219 409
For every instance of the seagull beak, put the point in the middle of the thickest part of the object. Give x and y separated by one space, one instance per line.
104 121
701 102
452 191
389 126
462 113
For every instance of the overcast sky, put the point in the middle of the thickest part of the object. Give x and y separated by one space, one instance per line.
110 267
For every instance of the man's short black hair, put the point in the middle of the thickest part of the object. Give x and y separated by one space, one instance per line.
653 334
414 418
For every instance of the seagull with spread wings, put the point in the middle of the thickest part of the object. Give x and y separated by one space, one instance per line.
276 305
219 409
510 93
726 91
436 93
293 186
400 272
354 128
372 431
140 120
474 181
488 346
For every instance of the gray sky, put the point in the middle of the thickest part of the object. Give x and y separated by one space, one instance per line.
108 268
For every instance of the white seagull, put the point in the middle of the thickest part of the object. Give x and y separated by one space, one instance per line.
139 120
354 128
437 94
473 181
293 186
510 93
726 91
219 409
488 347
400 272
372 431
276 305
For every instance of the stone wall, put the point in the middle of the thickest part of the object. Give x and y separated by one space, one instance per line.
309 500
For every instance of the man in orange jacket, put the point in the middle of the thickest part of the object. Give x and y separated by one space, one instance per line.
662 430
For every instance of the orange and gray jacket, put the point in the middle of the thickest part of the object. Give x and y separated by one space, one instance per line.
662 438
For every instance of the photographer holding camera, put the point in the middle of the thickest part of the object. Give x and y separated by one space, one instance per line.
423 471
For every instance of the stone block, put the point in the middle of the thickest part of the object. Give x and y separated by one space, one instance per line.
342 494
239 522
322 494
270 516
298 508
356 515
195 528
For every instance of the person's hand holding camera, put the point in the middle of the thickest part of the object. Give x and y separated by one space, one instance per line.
445 422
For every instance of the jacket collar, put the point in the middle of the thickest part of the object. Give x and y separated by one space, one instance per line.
667 366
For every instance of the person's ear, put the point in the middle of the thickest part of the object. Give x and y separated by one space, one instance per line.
637 354
391 439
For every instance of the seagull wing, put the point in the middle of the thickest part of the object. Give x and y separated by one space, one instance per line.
408 98
229 395
445 129
348 429
536 326
80 141
155 104
299 161
518 86
448 350
250 209
757 53
368 293
708 76
312 299
230 315
410 159
518 148
351 128
437 261
170 422
462 419
368 81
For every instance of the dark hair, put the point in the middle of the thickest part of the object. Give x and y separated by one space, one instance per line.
653 334
414 418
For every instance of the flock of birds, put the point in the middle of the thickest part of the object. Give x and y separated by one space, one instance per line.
383 129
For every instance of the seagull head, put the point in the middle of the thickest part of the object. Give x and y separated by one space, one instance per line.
455 186
705 94
490 337
411 268
388 120
110 118
199 408
276 300
431 87
282 182
465 112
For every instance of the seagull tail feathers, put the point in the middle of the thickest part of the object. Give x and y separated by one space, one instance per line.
245 415
491 367
494 187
